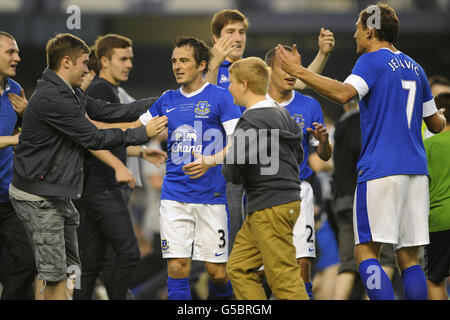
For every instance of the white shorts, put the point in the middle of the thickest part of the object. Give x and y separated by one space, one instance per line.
192 230
304 234
392 209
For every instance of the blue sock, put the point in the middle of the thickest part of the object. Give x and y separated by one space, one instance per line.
217 292
178 289
377 283
414 283
308 286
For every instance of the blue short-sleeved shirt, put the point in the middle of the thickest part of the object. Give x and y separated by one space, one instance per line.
394 97
199 122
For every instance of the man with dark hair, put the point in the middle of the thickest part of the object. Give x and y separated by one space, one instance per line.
17 263
104 216
437 253
193 215
49 162
439 84
394 96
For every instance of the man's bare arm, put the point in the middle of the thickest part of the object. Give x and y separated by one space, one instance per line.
326 45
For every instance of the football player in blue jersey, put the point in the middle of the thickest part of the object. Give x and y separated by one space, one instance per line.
193 214
307 113
391 200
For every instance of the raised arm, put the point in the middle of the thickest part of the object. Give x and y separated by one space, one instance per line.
219 52
326 45
331 89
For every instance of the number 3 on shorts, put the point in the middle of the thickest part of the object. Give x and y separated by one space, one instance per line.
222 241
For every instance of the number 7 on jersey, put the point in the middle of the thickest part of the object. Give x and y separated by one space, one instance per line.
411 87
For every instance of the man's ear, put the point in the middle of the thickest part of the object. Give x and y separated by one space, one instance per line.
214 38
65 62
370 33
244 85
104 61
202 65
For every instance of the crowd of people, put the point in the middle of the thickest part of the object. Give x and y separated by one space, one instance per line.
233 186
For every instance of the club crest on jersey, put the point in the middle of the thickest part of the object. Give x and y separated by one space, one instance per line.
299 119
164 245
202 108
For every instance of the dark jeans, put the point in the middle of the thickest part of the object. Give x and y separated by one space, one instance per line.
18 268
105 219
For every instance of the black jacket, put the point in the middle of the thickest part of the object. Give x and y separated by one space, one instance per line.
50 157
347 147
246 159
100 175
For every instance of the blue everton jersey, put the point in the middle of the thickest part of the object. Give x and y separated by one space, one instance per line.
223 79
8 120
199 122
304 110
394 97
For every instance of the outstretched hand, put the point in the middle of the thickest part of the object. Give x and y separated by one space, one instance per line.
222 48
154 156
290 61
320 132
199 166
156 125
326 41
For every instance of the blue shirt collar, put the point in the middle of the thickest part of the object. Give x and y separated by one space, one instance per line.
226 63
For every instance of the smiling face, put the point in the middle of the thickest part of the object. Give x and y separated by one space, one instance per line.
236 30
280 80
9 57
185 68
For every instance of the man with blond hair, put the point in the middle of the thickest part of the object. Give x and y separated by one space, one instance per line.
271 186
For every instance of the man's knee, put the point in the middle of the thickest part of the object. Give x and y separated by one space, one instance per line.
218 274
364 251
178 267
407 257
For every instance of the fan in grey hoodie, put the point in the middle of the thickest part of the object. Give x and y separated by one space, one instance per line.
265 155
